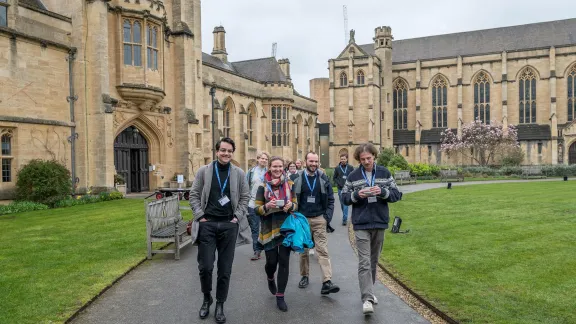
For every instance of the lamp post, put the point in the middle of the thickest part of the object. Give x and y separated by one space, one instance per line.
212 94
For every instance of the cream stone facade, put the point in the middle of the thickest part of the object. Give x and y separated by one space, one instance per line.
407 91
122 86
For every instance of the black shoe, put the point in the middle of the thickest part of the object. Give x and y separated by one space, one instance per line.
205 309
219 313
303 282
344 223
328 287
272 286
281 303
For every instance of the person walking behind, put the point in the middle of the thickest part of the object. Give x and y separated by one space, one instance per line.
219 198
369 189
298 164
340 174
316 201
292 171
274 202
255 177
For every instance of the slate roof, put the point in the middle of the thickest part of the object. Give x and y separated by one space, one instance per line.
495 40
433 136
33 3
533 132
263 69
404 137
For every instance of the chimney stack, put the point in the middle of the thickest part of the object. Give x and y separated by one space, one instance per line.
220 44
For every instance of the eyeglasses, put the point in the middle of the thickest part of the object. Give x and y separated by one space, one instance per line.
225 151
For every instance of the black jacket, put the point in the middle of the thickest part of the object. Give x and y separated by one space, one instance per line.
370 215
338 176
327 196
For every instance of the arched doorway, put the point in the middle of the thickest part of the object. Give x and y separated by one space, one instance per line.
572 154
131 159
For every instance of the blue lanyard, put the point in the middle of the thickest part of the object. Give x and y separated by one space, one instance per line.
308 182
346 169
271 191
373 176
222 187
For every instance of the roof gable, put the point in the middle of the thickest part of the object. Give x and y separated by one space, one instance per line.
358 51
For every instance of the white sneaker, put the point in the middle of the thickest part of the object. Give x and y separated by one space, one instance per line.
367 308
374 300
311 252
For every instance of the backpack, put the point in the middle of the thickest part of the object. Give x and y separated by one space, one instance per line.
396 226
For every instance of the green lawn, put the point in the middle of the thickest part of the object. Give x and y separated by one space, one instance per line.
54 261
499 253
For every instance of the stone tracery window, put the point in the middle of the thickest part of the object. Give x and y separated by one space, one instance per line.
132 31
251 127
343 79
152 45
482 98
400 105
226 125
280 131
360 77
440 102
572 93
527 94
6 156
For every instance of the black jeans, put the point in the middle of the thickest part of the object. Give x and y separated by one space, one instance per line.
214 236
278 257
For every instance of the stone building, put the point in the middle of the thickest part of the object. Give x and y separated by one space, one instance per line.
407 91
122 86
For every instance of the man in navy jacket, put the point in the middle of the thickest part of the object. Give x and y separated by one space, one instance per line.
369 189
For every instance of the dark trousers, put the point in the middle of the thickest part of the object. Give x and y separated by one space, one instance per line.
278 257
214 236
254 221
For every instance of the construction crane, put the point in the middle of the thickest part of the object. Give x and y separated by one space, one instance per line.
346 40
274 46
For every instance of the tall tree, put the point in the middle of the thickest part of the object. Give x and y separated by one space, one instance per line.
479 141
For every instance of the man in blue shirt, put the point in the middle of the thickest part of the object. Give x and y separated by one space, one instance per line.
255 177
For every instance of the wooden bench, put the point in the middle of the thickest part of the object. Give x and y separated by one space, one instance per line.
164 223
532 171
404 176
450 175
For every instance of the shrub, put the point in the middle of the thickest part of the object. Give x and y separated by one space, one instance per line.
510 171
116 195
559 170
385 156
398 161
329 173
21 206
513 157
480 171
118 179
45 182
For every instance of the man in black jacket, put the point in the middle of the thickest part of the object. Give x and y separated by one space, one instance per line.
340 174
316 201
369 189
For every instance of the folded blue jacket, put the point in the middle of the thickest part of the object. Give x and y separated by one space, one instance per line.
296 231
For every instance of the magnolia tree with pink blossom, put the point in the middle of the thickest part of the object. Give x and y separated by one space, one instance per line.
479 141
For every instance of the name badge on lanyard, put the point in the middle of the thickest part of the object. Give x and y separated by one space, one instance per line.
223 198
344 171
311 199
372 200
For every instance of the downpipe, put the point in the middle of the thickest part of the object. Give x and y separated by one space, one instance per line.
73 135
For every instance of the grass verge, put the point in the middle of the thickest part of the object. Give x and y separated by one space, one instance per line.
499 253
53 261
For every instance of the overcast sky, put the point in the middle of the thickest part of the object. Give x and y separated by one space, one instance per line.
309 32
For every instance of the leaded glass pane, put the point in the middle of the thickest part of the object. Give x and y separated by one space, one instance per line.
273 140
476 115
127 54
481 112
3 16
404 98
481 93
137 33
154 40
487 120
434 97
155 60
476 93
445 117
273 112
570 87
434 117
570 109
405 118
444 96
533 89
487 90
284 113
521 113
395 119
533 111
6 170
521 91
527 90
395 99
137 55
127 31
273 127
6 145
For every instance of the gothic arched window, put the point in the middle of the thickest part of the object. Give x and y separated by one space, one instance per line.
6 157
152 47
527 94
440 103
400 105
482 98
572 94
343 79
251 117
226 126
360 77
